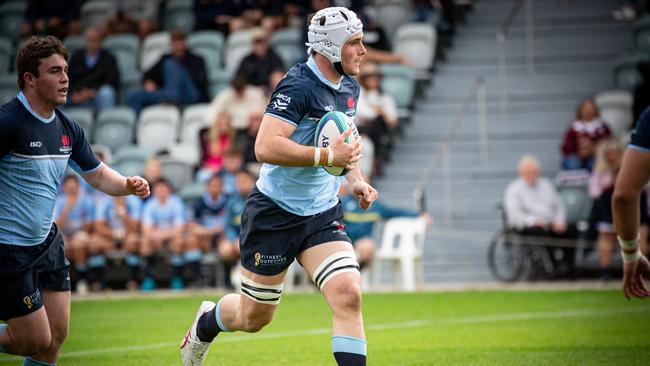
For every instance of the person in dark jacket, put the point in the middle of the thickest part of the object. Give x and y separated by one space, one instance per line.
93 72
178 77
262 62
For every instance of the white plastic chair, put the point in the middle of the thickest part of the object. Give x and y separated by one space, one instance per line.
402 243
194 119
417 41
616 109
238 45
158 127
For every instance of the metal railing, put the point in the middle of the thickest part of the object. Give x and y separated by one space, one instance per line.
443 153
501 47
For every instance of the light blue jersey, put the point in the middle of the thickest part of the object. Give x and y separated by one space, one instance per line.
106 212
34 152
166 216
301 99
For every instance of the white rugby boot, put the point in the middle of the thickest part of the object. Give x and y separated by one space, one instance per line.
193 350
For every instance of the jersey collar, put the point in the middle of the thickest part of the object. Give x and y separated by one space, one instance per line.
25 102
314 68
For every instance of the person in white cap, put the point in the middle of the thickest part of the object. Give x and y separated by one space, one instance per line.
294 212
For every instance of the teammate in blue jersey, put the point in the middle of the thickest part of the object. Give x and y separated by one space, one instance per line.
294 211
630 182
37 141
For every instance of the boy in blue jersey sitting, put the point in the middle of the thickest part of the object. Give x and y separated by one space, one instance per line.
73 213
359 223
117 224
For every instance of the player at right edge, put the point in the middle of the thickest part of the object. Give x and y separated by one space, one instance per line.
294 211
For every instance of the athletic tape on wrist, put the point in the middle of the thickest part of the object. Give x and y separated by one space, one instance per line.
330 156
316 156
629 257
628 244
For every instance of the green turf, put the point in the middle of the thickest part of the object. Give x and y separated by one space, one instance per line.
456 328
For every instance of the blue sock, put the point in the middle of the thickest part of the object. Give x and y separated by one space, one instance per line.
29 362
349 351
2 330
210 324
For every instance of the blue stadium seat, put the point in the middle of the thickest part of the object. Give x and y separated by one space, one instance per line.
11 18
287 43
209 45
114 127
179 15
158 127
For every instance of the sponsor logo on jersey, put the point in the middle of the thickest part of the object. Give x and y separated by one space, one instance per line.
35 144
350 102
281 102
329 108
65 144
32 299
269 260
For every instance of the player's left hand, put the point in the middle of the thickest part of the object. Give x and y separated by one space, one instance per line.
633 278
365 194
138 186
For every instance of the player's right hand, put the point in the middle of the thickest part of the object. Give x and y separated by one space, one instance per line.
633 278
138 186
345 154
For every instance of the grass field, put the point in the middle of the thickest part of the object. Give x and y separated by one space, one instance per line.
453 328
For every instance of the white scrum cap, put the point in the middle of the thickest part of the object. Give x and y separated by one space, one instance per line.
329 29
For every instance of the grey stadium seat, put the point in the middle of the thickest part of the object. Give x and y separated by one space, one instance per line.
193 120
11 18
209 45
152 48
178 172
399 81
220 81
190 192
95 13
131 159
626 73
238 45
84 116
158 127
73 43
6 53
641 33
417 41
616 109
114 127
8 87
287 43
125 47
179 15
577 202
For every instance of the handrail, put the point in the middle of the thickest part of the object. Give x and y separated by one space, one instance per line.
477 89
501 34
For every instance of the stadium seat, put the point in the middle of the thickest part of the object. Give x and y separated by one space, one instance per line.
399 81
153 47
190 192
238 45
193 120
391 14
8 87
73 43
287 43
131 159
11 18
616 109
95 13
220 81
189 153
209 45
158 127
179 15
85 117
178 172
577 202
402 242
125 48
626 73
417 41
6 53
114 127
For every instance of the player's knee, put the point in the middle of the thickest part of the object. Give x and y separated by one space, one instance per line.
58 336
347 295
33 344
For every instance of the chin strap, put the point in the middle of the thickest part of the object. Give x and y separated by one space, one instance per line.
339 67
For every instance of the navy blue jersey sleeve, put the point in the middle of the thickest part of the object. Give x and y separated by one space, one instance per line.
289 102
82 158
641 137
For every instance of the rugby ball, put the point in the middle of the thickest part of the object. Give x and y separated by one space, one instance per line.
331 126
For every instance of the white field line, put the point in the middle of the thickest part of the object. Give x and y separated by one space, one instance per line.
577 313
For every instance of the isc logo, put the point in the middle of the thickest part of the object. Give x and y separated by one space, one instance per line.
35 144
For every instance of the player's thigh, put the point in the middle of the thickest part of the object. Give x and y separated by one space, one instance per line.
57 307
365 247
319 259
27 328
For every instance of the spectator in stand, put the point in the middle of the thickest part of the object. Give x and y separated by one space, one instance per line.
376 114
601 187
262 63
139 17
580 140
238 100
209 214
221 15
246 138
73 214
93 72
117 225
229 244
56 18
178 77
163 225
642 92
232 164
153 169
534 207
360 223
214 143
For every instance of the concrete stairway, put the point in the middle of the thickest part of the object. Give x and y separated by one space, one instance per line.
575 50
